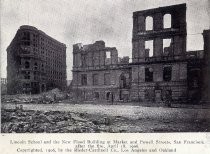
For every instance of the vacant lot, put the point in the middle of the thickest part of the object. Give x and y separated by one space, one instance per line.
102 118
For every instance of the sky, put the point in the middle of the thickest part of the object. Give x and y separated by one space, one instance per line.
86 21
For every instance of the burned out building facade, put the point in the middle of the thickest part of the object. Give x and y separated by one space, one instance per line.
160 63
35 62
96 73
159 53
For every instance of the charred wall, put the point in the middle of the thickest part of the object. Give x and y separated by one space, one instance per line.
160 63
175 31
98 74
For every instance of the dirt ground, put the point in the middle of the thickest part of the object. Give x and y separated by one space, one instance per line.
79 118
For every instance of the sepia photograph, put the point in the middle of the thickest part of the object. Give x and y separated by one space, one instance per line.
105 66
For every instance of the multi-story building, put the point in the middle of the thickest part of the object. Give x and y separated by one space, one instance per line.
97 72
3 80
160 63
35 62
159 53
3 86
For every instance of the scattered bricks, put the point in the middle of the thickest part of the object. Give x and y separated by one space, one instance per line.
114 130
21 107
14 118
70 129
6 127
107 121
76 118
95 122
26 128
38 122
77 130
53 122
67 117
53 96
50 119
50 122
62 123
96 129
81 114
14 127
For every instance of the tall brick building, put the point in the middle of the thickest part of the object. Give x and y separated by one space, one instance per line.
35 62
160 63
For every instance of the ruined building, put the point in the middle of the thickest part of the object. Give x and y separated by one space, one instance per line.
97 72
3 86
160 63
35 62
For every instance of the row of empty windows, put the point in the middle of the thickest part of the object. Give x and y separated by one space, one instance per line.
109 96
96 58
53 54
42 66
27 75
37 75
166 22
95 78
149 94
26 35
51 44
27 65
149 47
167 73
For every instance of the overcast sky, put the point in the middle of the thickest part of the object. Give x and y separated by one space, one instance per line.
85 21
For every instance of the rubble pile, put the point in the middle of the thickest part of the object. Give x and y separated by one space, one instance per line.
30 121
52 96
19 120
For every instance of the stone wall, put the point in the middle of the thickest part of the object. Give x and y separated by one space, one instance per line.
86 92
147 77
177 84
176 32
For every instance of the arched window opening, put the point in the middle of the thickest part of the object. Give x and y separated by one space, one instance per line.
149 23
167 21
